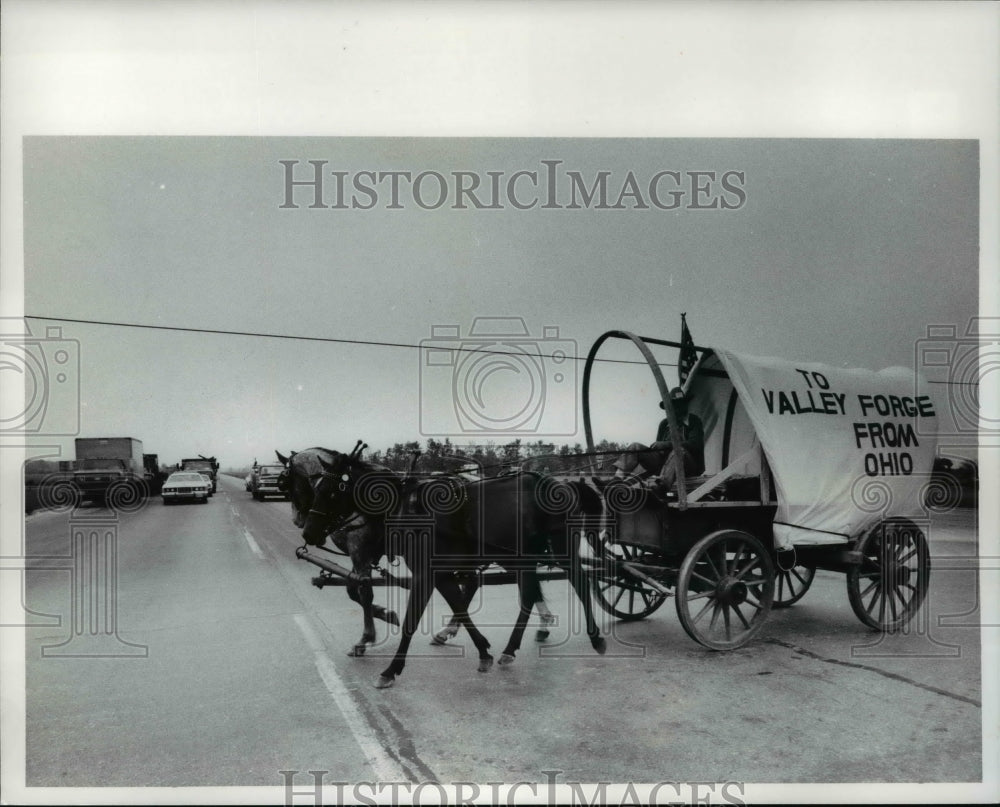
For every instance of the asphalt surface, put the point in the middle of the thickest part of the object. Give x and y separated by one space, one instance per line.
215 662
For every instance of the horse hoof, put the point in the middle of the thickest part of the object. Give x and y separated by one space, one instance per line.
391 618
600 645
505 659
442 637
485 664
384 682
541 635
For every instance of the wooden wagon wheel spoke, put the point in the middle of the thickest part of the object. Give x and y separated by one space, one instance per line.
716 609
701 613
705 579
870 586
892 602
731 569
743 619
876 590
715 570
725 618
905 598
900 592
753 564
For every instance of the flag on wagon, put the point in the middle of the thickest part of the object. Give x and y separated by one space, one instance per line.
688 355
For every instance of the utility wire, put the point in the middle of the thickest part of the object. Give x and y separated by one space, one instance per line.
373 343
329 339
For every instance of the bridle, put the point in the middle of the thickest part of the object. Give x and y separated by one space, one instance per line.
345 478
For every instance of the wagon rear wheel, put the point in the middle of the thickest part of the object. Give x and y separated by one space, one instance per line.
790 585
725 589
890 584
621 596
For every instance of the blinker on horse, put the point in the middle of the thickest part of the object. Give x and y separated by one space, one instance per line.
460 526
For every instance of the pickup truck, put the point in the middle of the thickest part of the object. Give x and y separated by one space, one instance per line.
264 482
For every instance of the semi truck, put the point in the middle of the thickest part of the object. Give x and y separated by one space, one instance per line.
103 463
204 465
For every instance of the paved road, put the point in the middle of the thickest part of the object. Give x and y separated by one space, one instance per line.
223 666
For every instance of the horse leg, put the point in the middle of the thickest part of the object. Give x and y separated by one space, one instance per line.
420 595
581 585
363 594
547 618
529 591
458 600
450 631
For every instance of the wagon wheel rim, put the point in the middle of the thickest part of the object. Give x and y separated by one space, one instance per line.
725 589
888 587
623 597
790 585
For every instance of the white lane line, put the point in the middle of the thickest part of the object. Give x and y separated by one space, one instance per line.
253 544
385 768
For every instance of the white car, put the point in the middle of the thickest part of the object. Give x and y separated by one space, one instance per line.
186 486
208 481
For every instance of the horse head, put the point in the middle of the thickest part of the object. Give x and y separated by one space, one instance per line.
332 494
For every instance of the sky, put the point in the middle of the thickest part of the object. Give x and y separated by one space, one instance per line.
834 251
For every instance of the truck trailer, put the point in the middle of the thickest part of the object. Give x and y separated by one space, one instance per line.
104 463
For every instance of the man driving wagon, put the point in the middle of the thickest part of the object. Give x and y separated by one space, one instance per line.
639 461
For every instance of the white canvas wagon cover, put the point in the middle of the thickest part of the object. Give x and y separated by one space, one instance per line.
845 446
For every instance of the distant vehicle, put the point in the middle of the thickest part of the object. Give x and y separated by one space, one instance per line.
954 483
264 482
203 464
186 486
106 463
208 481
154 476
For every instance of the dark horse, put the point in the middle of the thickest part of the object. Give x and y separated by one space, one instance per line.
442 525
352 536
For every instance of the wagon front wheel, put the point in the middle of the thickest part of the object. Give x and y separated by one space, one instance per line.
889 585
725 589
622 596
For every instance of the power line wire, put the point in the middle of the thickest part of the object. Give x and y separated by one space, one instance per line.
329 339
365 342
